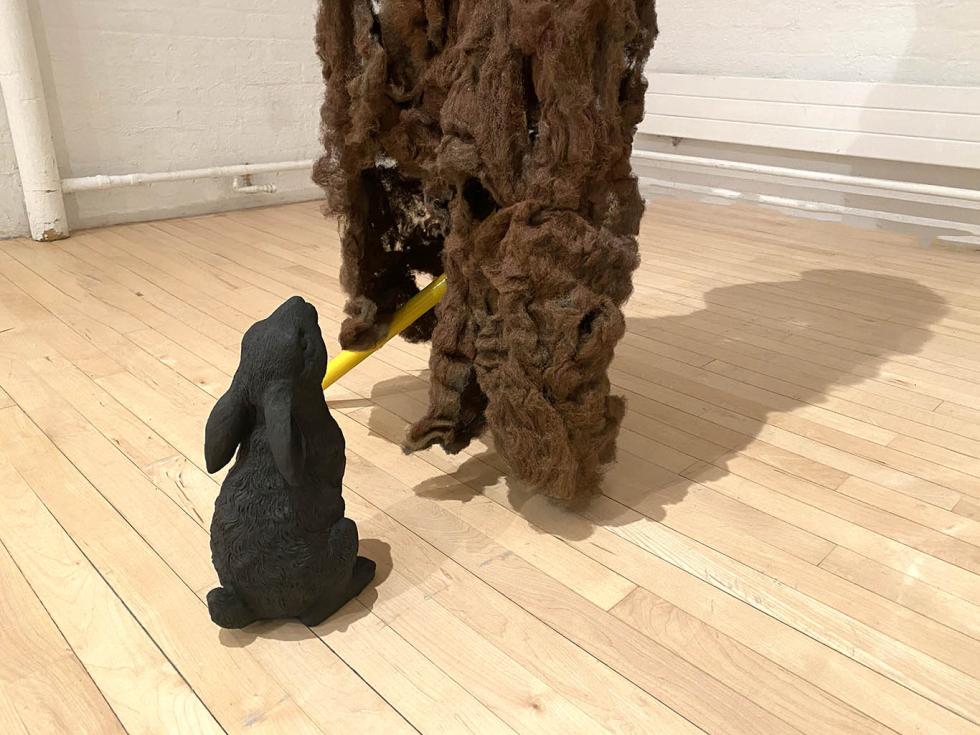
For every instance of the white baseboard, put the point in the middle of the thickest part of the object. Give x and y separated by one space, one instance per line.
925 135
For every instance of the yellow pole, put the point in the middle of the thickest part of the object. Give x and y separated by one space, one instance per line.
420 303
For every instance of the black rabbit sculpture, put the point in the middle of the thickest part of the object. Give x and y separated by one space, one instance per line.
280 543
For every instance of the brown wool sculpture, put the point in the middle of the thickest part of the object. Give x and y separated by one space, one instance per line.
490 140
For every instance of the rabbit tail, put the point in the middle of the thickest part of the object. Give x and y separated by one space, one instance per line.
228 610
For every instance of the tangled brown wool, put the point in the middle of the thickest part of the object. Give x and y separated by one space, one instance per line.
490 140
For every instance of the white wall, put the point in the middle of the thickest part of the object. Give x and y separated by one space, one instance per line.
144 85
919 42
903 41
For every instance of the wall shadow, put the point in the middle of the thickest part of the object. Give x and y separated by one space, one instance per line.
811 330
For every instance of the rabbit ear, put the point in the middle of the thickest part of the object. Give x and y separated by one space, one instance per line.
284 437
225 429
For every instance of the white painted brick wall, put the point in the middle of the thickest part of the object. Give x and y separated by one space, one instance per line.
145 85
153 86
903 41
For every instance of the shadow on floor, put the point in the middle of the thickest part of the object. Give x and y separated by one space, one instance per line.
680 389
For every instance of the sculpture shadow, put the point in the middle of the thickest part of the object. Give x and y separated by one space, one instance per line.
701 384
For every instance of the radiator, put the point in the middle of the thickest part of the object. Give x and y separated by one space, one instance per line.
924 124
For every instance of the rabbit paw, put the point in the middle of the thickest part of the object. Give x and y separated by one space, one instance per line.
364 570
362 575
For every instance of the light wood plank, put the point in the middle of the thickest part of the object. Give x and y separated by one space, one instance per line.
44 682
618 704
931 601
796 537
639 659
799 704
689 518
820 621
137 680
183 544
175 618
901 505
424 694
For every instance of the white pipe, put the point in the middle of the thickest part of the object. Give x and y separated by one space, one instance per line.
243 185
30 129
906 187
102 181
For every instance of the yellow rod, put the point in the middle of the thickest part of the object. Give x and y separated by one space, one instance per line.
419 304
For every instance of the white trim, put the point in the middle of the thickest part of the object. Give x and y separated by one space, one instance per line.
905 187
969 234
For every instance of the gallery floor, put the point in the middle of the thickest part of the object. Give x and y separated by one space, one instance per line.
788 542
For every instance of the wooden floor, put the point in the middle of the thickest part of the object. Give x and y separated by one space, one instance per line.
788 543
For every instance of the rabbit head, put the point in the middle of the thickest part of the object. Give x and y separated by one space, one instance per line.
283 360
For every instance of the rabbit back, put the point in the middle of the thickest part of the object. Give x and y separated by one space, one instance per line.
270 540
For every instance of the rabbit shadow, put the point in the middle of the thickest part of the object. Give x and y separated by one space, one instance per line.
704 378
291 630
